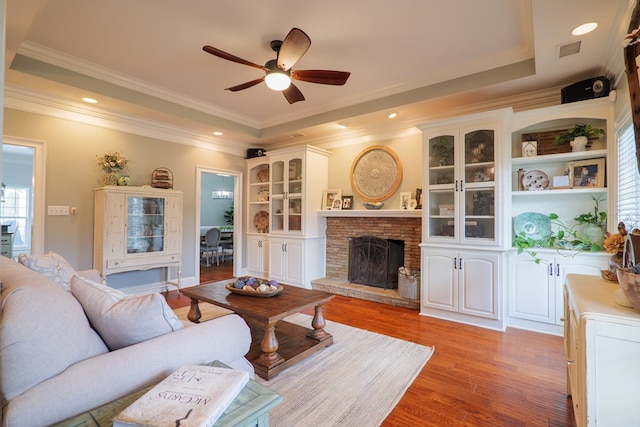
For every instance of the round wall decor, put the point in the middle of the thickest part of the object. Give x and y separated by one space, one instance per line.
376 173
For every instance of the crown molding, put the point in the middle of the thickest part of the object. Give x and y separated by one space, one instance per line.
71 63
22 99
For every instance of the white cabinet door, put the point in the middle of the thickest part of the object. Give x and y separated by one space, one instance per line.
531 289
441 280
461 281
478 277
257 248
286 260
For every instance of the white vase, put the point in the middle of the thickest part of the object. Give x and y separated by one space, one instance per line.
594 233
579 143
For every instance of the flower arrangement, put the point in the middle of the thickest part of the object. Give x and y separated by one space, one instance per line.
614 242
112 162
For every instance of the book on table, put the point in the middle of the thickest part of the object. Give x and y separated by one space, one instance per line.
193 395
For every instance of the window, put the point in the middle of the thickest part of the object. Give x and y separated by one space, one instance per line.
628 178
14 211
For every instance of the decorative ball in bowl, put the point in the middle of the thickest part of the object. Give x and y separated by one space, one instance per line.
629 280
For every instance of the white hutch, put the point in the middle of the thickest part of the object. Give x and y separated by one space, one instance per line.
137 228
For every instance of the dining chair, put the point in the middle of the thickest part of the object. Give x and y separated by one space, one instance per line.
210 247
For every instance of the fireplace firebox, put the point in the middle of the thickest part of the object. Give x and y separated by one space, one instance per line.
374 261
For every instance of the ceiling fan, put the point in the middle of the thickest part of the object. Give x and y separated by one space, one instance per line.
278 72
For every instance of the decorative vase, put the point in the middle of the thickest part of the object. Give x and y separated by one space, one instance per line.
111 178
579 143
594 233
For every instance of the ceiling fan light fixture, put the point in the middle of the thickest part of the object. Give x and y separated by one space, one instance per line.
277 81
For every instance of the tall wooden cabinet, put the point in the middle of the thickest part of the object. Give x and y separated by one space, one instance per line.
602 346
137 228
285 239
463 232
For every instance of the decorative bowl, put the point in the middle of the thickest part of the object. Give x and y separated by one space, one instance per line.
254 287
630 284
373 206
534 225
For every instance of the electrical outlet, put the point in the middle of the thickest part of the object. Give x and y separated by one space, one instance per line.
58 210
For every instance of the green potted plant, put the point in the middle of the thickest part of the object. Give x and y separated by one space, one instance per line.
594 223
578 136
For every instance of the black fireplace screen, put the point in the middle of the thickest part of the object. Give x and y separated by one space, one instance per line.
374 261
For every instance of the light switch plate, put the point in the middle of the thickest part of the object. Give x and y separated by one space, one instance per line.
58 210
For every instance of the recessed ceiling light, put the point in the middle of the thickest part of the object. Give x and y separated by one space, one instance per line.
393 115
89 100
218 133
343 125
583 29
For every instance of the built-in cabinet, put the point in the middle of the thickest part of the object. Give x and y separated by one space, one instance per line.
535 290
285 237
137 228
463 231
602 346
461 282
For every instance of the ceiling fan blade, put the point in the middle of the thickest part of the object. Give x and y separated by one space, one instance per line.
293 94
324 77
294 45
246 85
224 55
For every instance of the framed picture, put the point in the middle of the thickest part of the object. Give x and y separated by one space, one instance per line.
329 199
347 202
587 173
405 200
529 148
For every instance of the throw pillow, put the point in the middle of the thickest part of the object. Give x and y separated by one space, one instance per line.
52 265
123 320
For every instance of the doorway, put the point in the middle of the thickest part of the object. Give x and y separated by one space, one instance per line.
218 202
22 211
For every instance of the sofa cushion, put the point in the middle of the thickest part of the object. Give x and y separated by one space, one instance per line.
123 320
43 330
52 265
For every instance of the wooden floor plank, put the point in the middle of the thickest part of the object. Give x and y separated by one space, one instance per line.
476 377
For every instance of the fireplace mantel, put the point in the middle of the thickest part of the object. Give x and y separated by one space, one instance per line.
363 213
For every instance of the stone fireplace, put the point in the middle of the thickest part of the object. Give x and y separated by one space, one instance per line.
398 225
341 228
374 261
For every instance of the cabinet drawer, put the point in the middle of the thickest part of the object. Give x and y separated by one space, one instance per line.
146 261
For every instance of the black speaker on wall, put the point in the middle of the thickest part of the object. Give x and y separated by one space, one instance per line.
596 87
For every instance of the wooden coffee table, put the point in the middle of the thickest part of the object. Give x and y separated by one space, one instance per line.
273 349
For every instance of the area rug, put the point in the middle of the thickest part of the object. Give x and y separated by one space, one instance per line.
356 381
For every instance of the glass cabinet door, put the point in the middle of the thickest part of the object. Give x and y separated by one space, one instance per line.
286 195
145 224
479 185
442 187
277 196
294 195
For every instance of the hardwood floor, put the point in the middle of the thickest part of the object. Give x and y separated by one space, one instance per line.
476 377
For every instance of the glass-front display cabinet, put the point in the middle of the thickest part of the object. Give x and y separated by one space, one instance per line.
287 195
137 228
461 186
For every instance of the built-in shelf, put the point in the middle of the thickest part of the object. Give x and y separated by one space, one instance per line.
389 213
563 157
572 191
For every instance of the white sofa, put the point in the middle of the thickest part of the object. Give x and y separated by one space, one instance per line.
54 365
